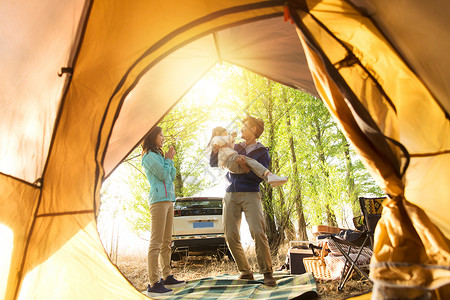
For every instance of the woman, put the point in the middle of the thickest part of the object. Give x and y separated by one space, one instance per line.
160 172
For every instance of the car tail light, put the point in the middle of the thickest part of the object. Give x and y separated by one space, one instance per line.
176 213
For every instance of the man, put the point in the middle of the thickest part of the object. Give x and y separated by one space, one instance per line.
242 195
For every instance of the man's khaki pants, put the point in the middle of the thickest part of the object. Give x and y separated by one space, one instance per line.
161 236
249 203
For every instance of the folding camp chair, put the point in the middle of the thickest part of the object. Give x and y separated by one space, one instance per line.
371 210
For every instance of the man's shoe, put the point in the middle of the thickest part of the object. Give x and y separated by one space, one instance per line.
171 282
246 276
275 180
158 289
269 280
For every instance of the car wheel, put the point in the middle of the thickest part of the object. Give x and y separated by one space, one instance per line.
177 256
230 257
219 254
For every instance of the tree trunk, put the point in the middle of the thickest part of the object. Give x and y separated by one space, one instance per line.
272 232
331 217
351 181
178 184
296 180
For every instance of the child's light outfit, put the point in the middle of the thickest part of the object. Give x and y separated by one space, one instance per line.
227 157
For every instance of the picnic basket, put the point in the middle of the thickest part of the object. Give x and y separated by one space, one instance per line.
317 266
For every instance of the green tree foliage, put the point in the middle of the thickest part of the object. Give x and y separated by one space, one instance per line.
325 174
136 208
305 144
180 129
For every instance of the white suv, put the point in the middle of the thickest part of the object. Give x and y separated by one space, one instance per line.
197 228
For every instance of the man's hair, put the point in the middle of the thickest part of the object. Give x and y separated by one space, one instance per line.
256 122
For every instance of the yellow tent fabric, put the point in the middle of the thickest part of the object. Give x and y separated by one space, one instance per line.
83 81
362 297
406 135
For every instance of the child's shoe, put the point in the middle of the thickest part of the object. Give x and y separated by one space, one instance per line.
275 180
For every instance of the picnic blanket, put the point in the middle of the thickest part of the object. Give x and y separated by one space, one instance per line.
229 287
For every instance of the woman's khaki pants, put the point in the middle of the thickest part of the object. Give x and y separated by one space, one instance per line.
161 228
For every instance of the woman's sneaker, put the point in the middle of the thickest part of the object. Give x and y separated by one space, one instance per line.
275 180
158 289
171 282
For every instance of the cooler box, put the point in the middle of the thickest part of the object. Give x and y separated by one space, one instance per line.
297 251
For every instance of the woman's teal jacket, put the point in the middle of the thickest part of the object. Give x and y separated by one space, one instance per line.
161 175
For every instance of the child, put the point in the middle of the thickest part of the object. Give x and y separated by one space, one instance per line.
227 158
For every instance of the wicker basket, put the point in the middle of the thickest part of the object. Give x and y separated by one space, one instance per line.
317 266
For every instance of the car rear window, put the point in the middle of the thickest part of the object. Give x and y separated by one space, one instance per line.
198 207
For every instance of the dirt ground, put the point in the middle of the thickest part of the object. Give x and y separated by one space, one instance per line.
135 269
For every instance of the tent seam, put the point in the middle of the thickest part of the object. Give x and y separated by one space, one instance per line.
217 47
399 54
21 180
351 54
348 93
82 31
430 153
401 285
163 41
272 79
66 213
87 8
154 62
407 264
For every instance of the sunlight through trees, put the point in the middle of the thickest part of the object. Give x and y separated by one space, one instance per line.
325 175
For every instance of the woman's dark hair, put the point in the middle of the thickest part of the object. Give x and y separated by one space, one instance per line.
149 142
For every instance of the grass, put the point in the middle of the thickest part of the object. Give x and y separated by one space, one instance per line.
134 268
